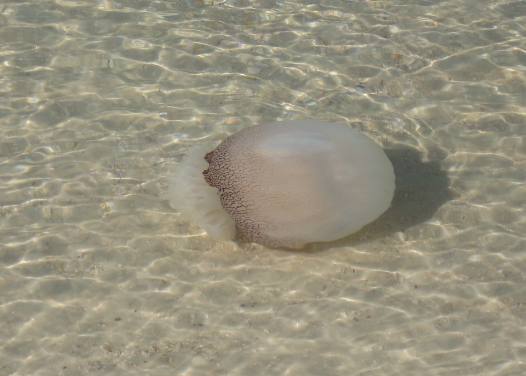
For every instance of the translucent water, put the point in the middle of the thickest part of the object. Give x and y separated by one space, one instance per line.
99 100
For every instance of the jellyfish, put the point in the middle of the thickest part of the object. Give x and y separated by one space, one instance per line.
284 184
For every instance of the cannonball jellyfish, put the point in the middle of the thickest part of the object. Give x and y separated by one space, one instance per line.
285 184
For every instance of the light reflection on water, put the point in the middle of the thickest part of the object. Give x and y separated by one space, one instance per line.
100 100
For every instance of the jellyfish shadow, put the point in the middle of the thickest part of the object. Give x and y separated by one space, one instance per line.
421 188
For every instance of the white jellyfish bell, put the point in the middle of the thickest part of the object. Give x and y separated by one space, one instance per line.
285 184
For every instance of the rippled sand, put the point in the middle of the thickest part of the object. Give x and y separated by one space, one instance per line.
100 99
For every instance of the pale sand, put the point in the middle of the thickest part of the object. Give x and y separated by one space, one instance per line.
98 276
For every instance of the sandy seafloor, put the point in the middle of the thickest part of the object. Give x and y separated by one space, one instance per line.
99 100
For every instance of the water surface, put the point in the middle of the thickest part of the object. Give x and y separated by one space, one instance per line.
99 100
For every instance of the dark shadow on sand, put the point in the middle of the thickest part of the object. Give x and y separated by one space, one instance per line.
421 188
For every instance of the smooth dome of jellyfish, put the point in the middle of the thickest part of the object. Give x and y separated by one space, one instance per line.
285 184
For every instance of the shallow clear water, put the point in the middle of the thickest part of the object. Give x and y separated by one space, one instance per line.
99 100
